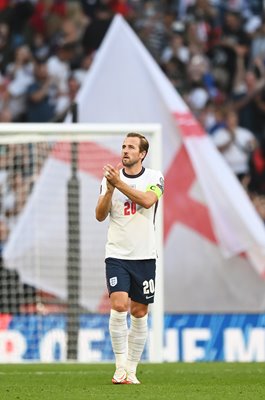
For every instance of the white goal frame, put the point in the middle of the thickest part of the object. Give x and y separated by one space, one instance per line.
31 133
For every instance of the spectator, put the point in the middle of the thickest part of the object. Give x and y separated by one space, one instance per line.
65 42
64 102
96 29
250 104
236 144
80 73
203 25
46 15
152 29
176 46
40 46
201 83
258 43
42 95
212 117
233 43
176 73
20 74
59 65
70 33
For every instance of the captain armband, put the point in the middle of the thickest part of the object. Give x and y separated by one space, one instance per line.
156 189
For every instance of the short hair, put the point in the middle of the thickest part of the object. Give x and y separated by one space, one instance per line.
144 144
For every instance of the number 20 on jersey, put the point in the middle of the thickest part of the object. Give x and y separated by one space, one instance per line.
129 208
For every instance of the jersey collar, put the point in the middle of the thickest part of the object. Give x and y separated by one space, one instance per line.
133 176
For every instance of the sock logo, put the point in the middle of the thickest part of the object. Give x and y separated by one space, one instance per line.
113 281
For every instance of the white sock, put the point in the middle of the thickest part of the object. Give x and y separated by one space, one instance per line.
119 332
136 341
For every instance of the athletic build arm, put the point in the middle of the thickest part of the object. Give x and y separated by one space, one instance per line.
143 199
104 204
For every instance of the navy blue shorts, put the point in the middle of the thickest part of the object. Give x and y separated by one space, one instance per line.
136 277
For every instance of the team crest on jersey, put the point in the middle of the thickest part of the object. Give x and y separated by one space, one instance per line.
113 281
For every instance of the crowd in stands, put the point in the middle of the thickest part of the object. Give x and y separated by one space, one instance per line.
213 52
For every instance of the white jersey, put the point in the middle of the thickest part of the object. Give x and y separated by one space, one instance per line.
131 233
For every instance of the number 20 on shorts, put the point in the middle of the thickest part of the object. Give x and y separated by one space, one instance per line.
149 287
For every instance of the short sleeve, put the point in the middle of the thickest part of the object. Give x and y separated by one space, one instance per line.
157 186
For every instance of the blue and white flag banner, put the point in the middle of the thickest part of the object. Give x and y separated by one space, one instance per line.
187 338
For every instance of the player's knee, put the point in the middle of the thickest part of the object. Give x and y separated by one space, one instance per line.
119 306
138 312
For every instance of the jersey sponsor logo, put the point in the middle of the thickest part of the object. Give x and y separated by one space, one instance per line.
113 281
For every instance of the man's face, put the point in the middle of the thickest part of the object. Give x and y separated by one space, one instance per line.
41 71
232 120
131 154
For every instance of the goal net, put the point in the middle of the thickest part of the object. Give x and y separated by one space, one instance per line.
53 300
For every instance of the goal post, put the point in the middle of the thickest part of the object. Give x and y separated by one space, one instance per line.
35 172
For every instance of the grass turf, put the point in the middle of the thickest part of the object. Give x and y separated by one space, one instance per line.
208 381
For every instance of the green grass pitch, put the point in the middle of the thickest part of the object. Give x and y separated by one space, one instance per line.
207 381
